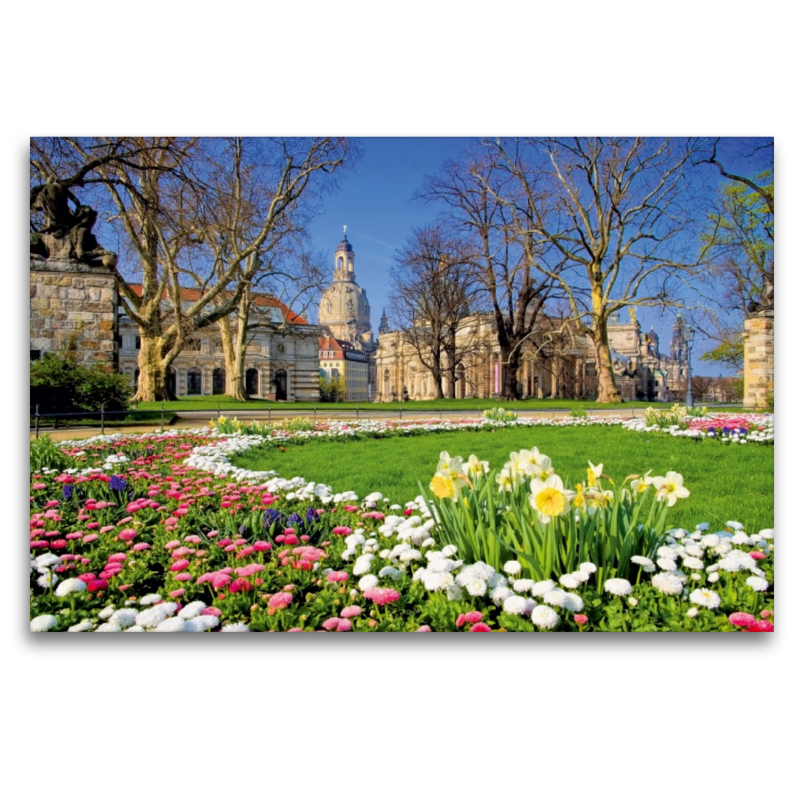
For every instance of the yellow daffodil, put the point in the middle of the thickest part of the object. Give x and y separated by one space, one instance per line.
670 488
550 498
593 473
444 486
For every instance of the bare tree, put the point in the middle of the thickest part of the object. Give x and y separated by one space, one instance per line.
701 387
199 213
737 250
432 295
608 217
474 192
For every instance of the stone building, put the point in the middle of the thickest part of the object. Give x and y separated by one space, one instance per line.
555 363
344 313
339 359
281 363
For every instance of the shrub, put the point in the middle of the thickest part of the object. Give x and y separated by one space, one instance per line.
61 383
499 415
333 390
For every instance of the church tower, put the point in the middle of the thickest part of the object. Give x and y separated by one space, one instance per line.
677 348
344 309
345 261
384 326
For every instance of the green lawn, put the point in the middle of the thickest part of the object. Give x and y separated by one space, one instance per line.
727 482
224 402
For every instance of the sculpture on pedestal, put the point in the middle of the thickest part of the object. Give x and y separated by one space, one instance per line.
767 296
67 233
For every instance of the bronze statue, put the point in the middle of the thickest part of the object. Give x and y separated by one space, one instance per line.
66 234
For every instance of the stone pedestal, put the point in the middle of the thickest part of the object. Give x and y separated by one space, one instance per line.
759 359
71 300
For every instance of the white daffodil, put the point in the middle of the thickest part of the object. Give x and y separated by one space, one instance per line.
593 473
550 498
639 485
505 480
477 467
670 488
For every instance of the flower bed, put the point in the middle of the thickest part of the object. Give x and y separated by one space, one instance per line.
728 428
159 532
740 428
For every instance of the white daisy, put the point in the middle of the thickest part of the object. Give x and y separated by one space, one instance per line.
43 623
757 584
544 617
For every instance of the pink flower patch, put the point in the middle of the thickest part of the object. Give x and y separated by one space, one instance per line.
382 596
760 626
470 616
280 600
337 577
336 624
350 611
741 619
480 627
342 530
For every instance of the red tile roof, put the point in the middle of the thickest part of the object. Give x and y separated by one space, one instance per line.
262 300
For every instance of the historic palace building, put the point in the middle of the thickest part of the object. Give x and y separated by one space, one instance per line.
555 363
280 363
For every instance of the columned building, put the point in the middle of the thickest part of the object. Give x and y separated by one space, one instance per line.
280 362
555 363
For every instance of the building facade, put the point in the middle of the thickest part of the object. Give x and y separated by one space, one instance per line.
280 362
555 363
342 360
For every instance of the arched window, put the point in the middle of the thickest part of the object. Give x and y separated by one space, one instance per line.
172 381
218 381
194 381
340 263
251 382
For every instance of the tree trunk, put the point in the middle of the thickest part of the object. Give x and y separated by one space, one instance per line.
153 385
510 367
607 391
436 369
233 355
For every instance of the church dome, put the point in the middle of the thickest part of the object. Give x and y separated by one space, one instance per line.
344 309
342 302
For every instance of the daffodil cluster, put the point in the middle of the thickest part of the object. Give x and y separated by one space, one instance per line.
526 512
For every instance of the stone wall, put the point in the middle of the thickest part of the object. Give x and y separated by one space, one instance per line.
759 359
70 299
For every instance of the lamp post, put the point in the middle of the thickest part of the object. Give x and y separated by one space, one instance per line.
689 336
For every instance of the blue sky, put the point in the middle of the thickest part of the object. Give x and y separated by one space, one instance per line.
375 201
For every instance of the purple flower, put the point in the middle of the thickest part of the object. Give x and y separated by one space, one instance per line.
118 483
